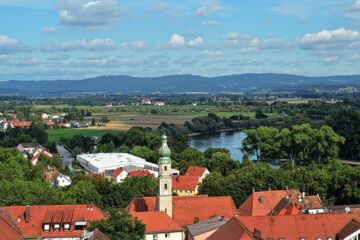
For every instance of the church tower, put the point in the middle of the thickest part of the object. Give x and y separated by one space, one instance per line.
164 195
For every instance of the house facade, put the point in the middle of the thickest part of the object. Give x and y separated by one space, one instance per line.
119 175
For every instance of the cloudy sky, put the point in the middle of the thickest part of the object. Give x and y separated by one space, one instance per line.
75 39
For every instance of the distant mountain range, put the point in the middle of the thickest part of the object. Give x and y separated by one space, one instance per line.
172 84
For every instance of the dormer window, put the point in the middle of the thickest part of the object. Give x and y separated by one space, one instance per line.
80 226
56 227
46 227
66 227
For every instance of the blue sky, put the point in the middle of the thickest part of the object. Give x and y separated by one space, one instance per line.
75 39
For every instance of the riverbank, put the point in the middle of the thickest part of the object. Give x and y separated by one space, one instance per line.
217 131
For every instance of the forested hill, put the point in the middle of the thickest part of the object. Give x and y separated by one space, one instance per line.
127 85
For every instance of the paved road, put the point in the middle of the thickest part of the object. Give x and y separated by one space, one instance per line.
65 156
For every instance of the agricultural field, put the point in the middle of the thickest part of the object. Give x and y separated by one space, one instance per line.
56 134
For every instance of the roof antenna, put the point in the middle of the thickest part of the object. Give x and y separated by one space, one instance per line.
253 189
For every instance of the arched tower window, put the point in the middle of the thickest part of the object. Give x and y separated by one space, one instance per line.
165 186
165 168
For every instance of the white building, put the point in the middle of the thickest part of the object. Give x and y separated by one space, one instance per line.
106 163
119 175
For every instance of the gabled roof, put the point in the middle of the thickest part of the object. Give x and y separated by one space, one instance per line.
98 235
140 173
27 145
308 226
21 123
352 227
261 203
49 213
157 222
184 182
189 209
117 172
285 207
195 171
46 154
206 226
8 229
232 230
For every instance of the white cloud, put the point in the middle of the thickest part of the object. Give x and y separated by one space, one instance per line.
26 61
97 14
355 7
355 57
176 41
248 44
208 10
209 53
57 57
197 42
49 30
210 23
331 40
331 59
138 45
8 45
93 45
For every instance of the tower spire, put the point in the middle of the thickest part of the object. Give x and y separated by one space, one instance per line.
164 195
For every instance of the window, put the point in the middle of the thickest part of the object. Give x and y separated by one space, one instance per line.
165 168
302 238
165 186
80 226
190 191
318 238
155 237
165 210
167 235
46 227
329 238
66 226
56 227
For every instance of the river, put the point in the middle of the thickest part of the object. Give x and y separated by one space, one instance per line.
230 140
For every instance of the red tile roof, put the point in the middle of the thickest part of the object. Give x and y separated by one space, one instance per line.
21 123
46 154
261 203
157 222
195 171
49 214
349 229
140 173
49 123
184 182
8 229
309 226
62 124
232 230
98 235
188 208
117 172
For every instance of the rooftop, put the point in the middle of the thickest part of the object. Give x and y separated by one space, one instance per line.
157 222
206 226
140 173
195 171
189 209
184 182
232 230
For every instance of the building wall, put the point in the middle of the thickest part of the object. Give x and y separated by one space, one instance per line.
161 236
184 192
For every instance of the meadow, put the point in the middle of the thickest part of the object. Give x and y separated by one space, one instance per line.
56 134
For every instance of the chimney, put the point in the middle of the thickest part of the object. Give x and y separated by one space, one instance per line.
261 200
27 214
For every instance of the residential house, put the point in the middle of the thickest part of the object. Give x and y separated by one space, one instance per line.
202 230
159 103
49 123
38 149
304 227
64 125
119 175
185 185
159 226
184 210
13 115
95 235
54 116
17 124
54 177
140 173
74 123
60 222
26 148
36 157
200 172
146 101
45 116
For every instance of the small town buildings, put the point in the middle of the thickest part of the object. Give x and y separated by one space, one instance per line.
280 202
49 123
56 178
106 163
36 157
140 173
202 230
200 172
45 116
185 185
159 226
184 210
159 103
146 101
306 226
119 175
38 149
95 235
26 148
64 125
16 124
60 222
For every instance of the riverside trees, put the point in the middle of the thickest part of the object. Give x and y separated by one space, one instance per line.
301 144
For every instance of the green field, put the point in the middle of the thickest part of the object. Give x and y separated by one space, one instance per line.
55 135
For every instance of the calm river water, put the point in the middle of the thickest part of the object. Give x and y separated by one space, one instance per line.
230 140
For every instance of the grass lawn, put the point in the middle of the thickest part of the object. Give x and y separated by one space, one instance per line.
56 134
